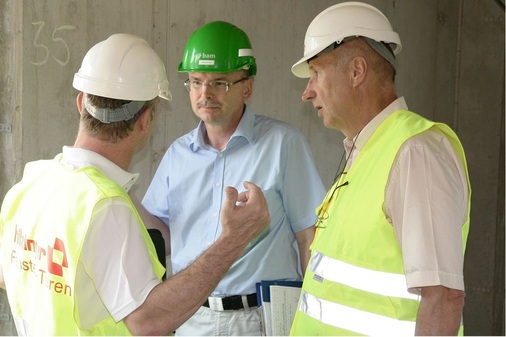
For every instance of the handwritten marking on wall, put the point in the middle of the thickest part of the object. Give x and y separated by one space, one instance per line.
59 42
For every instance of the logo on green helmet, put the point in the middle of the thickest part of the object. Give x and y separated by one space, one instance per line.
205 59
198 56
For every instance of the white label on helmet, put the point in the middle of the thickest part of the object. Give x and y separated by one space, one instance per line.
245 52
206 62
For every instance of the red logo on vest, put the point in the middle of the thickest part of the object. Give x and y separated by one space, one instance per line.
53 267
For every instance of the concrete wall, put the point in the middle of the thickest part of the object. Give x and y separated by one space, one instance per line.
451 69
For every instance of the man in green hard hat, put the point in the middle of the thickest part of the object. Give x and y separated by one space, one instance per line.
230 145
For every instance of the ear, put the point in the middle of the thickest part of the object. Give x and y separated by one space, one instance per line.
358 71
247 88
79 101
145 119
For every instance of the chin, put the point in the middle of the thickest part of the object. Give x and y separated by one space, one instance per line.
326 123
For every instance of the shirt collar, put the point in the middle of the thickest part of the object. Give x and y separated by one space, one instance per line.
244 129
77 158
368 130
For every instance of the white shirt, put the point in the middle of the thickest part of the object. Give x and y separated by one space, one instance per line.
114 274
426 202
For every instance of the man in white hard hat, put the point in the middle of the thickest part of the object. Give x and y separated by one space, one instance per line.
387 258
75 255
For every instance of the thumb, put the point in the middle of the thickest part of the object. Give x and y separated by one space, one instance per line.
231 196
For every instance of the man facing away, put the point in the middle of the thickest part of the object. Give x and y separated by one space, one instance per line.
389 249
231 144
75 256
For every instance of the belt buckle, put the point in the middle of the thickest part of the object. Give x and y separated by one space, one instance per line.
215 303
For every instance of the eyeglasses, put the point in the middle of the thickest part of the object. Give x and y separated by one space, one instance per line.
323 215
216 86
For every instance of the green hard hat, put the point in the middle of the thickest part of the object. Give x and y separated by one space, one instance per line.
218 47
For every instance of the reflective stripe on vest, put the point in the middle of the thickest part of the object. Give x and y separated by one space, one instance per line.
359 321
373 281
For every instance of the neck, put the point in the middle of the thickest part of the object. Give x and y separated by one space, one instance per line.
367 110
218 137
119 153
218 134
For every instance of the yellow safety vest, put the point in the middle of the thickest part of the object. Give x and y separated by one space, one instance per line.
45 219
355 282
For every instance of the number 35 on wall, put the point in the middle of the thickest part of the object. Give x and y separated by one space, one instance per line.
56 39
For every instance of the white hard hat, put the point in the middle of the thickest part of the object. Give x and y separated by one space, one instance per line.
123 67
348 19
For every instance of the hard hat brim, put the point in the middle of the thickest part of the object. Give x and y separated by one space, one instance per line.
301 67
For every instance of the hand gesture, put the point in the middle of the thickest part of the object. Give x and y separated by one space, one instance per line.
244 215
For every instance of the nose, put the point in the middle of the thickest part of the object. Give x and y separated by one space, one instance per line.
308 93
206 91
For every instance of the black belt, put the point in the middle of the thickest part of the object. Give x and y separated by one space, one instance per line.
231 303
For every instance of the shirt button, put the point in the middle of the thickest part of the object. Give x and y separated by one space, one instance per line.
215 214
218 184
220 155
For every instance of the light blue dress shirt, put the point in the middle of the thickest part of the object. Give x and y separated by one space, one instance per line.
187 193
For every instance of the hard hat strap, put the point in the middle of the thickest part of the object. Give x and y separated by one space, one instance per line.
384 50
380 47
106 115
